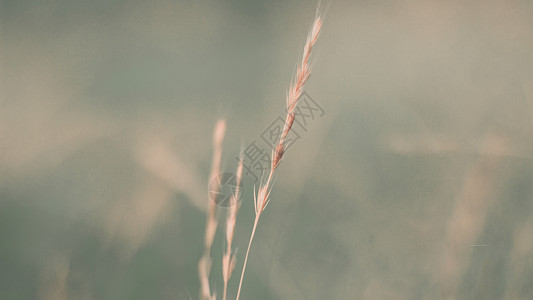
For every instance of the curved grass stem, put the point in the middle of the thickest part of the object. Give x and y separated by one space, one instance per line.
247 252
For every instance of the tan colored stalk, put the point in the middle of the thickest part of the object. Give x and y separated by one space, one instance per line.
228 260
303 71
204 265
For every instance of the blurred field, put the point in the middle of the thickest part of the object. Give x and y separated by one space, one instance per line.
416 183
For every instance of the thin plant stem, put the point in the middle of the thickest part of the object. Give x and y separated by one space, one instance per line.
225 291
246 257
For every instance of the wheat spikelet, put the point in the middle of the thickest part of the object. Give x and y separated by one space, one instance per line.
204 265
261 198
228 259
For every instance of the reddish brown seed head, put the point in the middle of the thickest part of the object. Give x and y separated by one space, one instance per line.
278 154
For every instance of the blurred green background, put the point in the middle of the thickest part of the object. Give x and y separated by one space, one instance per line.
417 183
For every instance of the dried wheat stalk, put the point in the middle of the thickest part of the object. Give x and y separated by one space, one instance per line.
303 72
204 265
228 259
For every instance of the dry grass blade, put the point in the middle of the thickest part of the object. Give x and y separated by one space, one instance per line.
303 72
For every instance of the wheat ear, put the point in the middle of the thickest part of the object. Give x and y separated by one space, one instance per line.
204 265
303 72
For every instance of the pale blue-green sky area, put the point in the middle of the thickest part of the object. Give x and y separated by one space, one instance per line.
414 183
